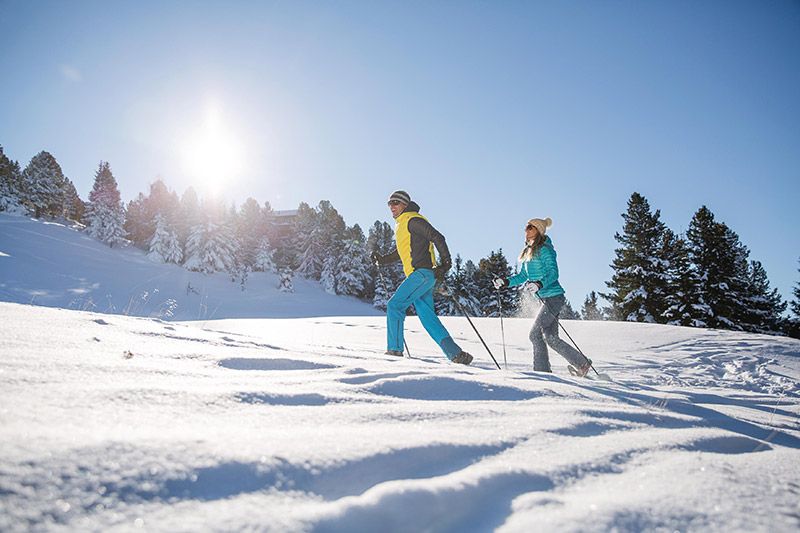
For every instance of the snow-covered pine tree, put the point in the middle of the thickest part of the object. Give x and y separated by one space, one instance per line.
494 266
285 284
209 249
308 242
471 291
328 276
568 313
461 282
10 185
74 208
43 186
682 300
766 306
721 264
389 277
590 310
105 216
793 324
136 223
250 231
188 216
353 266
639 285
263 261
160 201
164 246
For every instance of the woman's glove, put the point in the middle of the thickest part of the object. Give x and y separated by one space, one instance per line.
533 286
500 283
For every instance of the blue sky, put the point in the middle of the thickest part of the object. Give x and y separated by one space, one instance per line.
488 113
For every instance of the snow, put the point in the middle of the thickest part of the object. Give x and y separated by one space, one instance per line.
113 422
57 266
297 422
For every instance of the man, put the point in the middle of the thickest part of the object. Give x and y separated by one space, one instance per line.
415 238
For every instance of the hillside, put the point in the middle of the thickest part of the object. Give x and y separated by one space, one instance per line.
50 264
117 423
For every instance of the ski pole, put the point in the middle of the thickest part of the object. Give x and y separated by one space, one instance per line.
502 329
464 312
567 333
383 284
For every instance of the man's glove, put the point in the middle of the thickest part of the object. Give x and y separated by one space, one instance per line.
441 270
500 283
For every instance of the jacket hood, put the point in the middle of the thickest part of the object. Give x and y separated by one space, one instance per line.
412 206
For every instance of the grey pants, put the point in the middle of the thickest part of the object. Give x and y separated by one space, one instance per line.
545 328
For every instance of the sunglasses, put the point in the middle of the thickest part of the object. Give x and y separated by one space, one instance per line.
395 202
529 227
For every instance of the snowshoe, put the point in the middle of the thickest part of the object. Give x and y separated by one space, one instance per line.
395 353
580 371
462 358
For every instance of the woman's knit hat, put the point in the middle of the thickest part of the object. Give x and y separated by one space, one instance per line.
400 196
540 224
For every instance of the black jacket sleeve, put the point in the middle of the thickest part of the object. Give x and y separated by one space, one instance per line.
389 258
422 227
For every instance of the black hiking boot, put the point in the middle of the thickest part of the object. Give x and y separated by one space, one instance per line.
463 358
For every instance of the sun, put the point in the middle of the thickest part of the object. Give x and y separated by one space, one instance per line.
213 155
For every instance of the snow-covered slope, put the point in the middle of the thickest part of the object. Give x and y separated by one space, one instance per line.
50 264
118 423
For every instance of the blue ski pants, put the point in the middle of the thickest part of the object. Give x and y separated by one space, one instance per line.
417 289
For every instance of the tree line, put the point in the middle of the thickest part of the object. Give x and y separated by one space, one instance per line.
701 279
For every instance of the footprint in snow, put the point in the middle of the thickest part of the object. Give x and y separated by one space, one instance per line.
243 363
726 445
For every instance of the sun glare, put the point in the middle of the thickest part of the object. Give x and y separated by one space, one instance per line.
212 155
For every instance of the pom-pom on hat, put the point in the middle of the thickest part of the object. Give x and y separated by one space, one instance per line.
540 224
400 196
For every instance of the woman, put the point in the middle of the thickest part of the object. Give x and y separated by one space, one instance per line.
540 271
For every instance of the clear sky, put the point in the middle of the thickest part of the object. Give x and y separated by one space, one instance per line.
488 113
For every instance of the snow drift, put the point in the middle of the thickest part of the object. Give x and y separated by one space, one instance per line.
115 423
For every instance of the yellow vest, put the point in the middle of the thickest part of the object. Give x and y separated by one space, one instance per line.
403 239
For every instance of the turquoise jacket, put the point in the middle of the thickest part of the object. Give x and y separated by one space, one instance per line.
542 268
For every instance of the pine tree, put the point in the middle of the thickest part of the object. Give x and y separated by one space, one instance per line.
74 208
590 310
136 223
188 217
286 281
682 300
639 285
328 275
308 242
352 272
250 231
469 296
209 249
766 306
164 246
568 313
105 216
43 186
494 266
10 185
719 260
263 261
792 325
142 212
387 277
